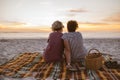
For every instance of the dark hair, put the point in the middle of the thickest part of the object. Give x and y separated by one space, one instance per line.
72 25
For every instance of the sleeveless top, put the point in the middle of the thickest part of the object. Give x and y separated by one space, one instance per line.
55 48
75 40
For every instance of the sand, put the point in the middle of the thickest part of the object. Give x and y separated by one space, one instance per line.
12 47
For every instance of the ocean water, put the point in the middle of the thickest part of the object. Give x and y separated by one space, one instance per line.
25 35
13 35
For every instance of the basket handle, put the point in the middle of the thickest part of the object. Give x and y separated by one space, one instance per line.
92 50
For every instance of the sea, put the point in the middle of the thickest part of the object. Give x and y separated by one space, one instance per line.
39 35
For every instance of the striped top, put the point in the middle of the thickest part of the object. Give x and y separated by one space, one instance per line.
76 44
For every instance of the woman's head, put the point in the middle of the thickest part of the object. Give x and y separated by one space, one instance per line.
72 25
57 25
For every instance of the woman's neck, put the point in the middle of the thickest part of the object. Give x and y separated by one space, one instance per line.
59 31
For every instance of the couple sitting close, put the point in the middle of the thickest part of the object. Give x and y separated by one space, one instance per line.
68 44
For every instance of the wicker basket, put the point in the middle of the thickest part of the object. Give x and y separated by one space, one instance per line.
93 60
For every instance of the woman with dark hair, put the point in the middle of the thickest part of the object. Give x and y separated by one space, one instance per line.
73 42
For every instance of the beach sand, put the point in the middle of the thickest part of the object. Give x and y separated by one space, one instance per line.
12 47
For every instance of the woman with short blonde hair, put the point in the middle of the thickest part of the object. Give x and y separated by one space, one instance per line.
55 48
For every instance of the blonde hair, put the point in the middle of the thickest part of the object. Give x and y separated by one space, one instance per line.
57 25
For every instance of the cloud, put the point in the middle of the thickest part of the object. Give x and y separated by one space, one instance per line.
93 23
71 15
98 26
11 23
1 27
73 12
78 10
114 18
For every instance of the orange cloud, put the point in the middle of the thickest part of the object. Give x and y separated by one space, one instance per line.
25 30
93 26
113 18
93 23
78 10
11 23
8 26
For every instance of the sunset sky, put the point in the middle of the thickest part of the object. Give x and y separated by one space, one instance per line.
38 15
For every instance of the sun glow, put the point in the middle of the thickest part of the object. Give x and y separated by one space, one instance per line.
82 27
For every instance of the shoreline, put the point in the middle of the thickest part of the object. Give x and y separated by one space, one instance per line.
47 38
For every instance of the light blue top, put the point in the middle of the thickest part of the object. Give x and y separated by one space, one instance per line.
76 44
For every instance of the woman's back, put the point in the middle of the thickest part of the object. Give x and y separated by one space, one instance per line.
55 48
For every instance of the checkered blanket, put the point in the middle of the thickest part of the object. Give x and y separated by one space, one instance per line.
33 65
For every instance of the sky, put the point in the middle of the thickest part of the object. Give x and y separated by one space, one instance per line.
38 15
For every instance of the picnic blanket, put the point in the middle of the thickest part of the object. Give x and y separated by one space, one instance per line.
33 65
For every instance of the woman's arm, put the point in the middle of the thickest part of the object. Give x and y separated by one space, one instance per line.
67 52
